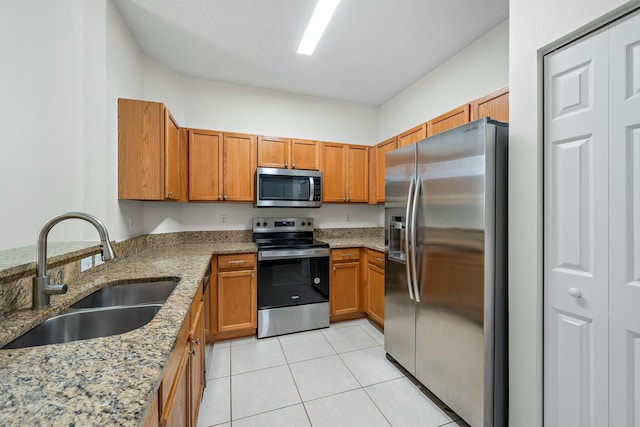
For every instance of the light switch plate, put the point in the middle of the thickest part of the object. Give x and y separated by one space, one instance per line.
86 263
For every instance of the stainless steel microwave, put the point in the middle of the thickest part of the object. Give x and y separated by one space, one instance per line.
294 188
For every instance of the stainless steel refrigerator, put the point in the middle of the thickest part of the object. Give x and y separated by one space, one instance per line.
445 275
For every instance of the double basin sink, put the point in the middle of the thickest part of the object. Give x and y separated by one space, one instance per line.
108 311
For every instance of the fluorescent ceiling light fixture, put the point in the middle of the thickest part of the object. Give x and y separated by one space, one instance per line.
321 16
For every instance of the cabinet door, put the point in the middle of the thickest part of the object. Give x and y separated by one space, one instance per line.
305 154
495 106
141 152
177 408
454 118
205 175
375 293
171 157
412 135
380 150
334 160
197 363
239 167
273 152
237 304
357 174
345 284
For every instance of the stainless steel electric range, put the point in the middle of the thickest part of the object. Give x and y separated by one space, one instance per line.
293 276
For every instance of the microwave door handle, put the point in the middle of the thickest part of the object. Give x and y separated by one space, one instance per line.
311 189
407 234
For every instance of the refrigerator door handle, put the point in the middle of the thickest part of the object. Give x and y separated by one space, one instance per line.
414 256
407 235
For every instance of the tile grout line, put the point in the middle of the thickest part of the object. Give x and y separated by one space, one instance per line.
295 383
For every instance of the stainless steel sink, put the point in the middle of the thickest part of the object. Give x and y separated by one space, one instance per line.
128 294
85 324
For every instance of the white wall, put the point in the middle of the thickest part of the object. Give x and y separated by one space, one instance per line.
41 114
533 27
477 70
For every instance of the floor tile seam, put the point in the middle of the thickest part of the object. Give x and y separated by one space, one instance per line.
374 402
257 370
360 349
371 335
348 391
266 412
332 394
312 358
295 383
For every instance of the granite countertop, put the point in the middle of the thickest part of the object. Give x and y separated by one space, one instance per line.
375 243
102 381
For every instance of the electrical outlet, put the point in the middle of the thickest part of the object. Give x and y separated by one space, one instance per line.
130 223
348 217
86 263
223 219
97 260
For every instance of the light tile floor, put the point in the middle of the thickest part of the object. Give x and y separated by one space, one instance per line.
330 377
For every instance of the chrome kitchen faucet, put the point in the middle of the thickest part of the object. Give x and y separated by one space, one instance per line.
42 288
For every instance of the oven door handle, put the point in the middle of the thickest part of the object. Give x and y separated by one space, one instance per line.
292 253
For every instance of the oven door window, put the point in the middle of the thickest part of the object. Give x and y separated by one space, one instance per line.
281 187
289 282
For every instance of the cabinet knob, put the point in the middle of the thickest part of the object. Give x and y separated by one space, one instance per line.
347 199
286 165
344 199
293 165
334 269
170 193
225 197
220 197
194 351
575 292
197 341
253 274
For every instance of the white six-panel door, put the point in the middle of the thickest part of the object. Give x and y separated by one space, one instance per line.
592 230
624 230
576 236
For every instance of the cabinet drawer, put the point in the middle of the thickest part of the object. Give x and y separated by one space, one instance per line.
236 261
375 258
346 254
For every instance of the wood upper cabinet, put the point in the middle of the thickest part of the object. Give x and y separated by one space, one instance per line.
412 135
454 118
205 173
236 293
345 282
239 162
375 286
288 153
494 105
151 153
345 170
377 174
305 154
221 166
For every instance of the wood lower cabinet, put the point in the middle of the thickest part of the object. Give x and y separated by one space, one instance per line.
494 106
345 170
151 154
449 120
345 283
233 296
412 135
196 369
374 305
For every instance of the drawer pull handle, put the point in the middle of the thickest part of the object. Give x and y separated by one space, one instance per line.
347 254
241 261
379 259
197 341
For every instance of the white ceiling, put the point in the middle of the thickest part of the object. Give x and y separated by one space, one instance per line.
371 50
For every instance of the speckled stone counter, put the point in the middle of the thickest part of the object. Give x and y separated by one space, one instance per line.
375 243
103 381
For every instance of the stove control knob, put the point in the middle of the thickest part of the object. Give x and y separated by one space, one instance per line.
257 224
304 223
310 223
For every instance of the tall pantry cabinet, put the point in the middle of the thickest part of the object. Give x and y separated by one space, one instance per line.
592 230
